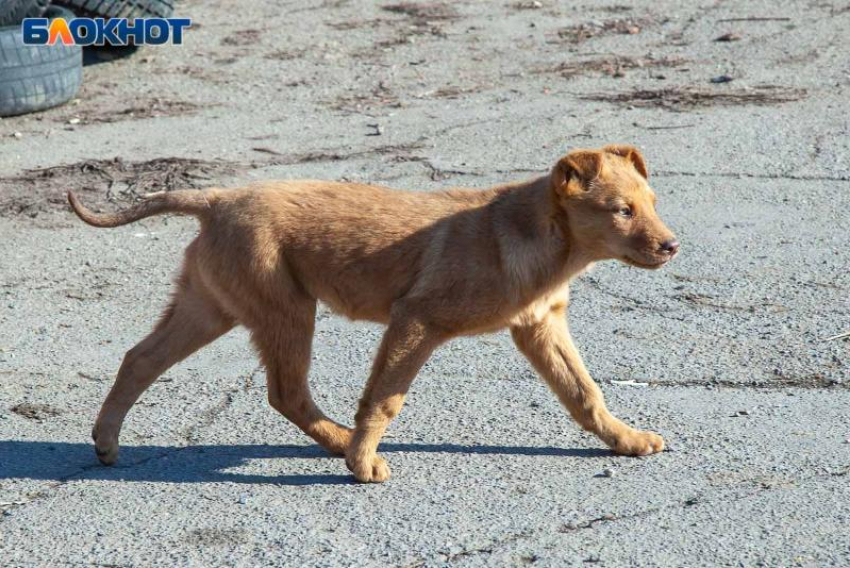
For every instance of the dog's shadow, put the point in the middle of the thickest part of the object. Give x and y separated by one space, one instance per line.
62 461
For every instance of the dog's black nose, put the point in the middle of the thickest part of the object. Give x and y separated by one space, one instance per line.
671 247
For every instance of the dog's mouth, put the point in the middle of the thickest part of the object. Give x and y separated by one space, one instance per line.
647 265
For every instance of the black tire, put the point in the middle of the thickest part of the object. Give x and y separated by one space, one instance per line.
120 8
13 11
36 77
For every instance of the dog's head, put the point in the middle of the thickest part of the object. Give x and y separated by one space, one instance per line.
610 207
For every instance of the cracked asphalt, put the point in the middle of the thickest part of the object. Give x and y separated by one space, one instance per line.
726 352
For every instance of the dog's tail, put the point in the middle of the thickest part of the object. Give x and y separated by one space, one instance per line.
191 202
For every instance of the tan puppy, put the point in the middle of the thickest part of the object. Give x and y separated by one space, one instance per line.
431 266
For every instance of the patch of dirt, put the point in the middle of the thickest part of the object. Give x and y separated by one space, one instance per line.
613 66
615 9
423 19
200 73
154 108
347 25
35 411
103 181
243 37
453 92
379 96
116 181
583 32
285 54
217 537
680 98
805 58
427 11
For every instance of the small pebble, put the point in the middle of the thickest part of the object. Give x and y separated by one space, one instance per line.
728 37
607 472
17 134
722 79
74 121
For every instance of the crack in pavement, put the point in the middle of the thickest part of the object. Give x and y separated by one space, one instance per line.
809 382
571 527
635 303
437 173
208 417
54 561
497 543
483 549
692 300
747 175
334 154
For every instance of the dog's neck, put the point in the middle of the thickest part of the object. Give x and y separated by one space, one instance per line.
537 251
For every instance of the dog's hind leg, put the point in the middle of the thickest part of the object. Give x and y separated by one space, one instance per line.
284 344
191 321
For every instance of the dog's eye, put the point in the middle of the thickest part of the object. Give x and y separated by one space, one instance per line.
625 211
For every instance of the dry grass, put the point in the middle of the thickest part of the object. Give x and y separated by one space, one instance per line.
35 411
380 96
613 66
103 181
428 11
583 32
680 98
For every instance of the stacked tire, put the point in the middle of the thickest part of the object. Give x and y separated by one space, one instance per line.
13 11
35 77
38 77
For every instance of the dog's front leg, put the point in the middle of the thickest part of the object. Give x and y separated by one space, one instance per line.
405 347
548 346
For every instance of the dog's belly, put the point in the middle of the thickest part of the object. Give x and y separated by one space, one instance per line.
358 292
355 306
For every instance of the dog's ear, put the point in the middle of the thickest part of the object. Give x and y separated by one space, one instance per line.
630 153
574 172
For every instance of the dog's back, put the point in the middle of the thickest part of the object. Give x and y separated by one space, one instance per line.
356 247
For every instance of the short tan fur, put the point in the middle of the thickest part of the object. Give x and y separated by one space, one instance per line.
429 265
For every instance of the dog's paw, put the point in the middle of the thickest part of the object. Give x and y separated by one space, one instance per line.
374 470
106 447
637 443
